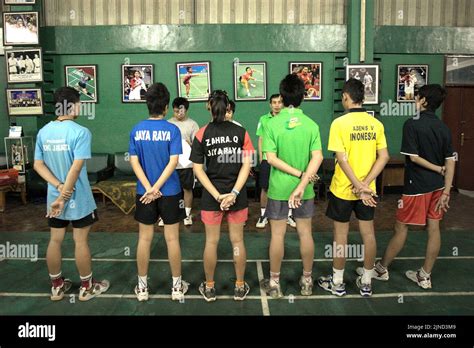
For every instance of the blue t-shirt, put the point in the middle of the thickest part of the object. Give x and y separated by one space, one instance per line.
58 144
153 142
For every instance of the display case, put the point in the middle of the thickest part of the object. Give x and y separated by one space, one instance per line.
20 153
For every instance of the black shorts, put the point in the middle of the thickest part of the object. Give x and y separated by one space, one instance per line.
169 208
264 175
81 223
82 84
341 210
186 178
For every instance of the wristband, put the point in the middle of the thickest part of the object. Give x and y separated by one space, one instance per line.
234 191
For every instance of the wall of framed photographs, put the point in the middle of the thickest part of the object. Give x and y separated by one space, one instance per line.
113 108
21 65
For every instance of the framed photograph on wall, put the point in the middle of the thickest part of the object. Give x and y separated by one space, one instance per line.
20 28
24 101
194 80
24 65
250 81
410 77
311 74
136 79
371 113
83 78
369 76
19 2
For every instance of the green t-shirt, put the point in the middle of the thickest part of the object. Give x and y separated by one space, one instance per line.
261 126
292 136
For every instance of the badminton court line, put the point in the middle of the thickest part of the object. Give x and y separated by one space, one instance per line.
263 295
256 297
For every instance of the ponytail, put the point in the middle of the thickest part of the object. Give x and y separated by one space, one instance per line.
219 103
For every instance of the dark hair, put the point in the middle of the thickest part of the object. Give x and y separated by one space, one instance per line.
292 90
179 102
219 102
157 98
188 68
66 95
434 95
232 106
274 96
247 68
355 89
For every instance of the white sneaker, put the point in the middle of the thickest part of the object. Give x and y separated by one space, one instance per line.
291 221
262 222
142 294
177 294
188 221
96 289
161 223
424 283
57 294
376 274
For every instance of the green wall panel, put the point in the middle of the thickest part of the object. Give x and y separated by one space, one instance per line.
114 120
404 39
194 38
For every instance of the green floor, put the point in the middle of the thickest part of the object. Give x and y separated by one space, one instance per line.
25 285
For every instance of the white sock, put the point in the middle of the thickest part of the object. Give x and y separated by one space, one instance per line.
262 211
142 282
177 282
290 212
188 211
274 279
87 279
337 276
424 274
307 275
380 268
55 276
367 276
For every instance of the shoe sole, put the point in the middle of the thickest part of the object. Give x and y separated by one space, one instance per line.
417 283
94 295
338 294
260 226
241 298
365 294
212 299
57 298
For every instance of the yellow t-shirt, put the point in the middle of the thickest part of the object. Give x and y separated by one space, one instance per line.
359 135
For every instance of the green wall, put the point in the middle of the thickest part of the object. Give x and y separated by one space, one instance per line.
109 46
114 119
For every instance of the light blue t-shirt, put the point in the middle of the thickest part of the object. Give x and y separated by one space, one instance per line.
153 142
58 144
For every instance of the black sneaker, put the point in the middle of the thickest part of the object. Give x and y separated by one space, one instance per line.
209 294
240 292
